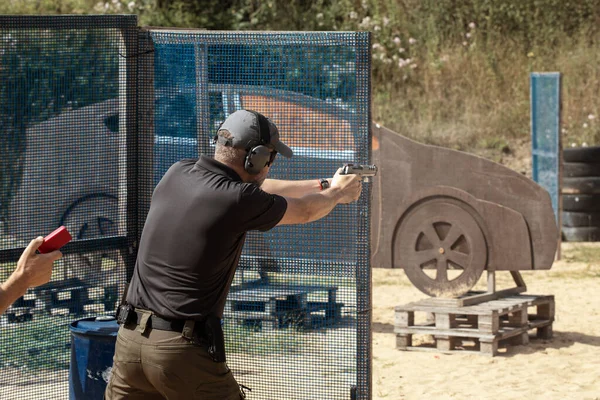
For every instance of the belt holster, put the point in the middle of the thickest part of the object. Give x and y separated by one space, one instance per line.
210 333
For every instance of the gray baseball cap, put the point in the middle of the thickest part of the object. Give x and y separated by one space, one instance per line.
249 129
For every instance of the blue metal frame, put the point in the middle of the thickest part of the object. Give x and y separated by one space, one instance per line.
545 134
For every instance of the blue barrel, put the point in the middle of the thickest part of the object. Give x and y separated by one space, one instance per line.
92 350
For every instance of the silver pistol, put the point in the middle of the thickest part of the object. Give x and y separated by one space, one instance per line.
364 171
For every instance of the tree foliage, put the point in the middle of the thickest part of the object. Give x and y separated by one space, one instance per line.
42 74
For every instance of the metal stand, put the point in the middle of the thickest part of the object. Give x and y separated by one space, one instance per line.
476 297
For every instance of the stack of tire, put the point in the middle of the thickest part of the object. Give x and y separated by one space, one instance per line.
581 194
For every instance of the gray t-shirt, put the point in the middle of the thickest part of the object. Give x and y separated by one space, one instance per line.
193 237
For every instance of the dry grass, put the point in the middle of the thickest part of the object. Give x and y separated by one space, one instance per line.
477 100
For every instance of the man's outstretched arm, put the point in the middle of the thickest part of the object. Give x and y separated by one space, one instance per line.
313 206
293 189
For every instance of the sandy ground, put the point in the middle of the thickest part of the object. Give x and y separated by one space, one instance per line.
565 367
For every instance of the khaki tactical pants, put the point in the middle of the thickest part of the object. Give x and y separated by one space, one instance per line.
165 365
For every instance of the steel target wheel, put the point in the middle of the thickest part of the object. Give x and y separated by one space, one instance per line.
441 247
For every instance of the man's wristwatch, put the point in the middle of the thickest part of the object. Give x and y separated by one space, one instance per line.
324 184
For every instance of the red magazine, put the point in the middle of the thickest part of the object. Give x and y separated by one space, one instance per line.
55 240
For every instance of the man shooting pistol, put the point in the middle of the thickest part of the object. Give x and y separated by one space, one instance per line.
171 343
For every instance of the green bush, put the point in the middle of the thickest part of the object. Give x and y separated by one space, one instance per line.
33 89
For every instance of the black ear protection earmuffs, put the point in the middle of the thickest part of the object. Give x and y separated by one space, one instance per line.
256 159
259 156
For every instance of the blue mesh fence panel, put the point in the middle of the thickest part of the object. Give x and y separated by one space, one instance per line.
545 133
297 320
64 160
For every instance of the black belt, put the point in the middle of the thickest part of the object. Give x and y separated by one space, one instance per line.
174 325
156 322
207 333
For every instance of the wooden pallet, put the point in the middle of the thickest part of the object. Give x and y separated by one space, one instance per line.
272 306
64 297
479 328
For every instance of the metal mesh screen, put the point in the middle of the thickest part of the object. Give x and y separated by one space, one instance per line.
545 134
297 320
298 317
65 160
